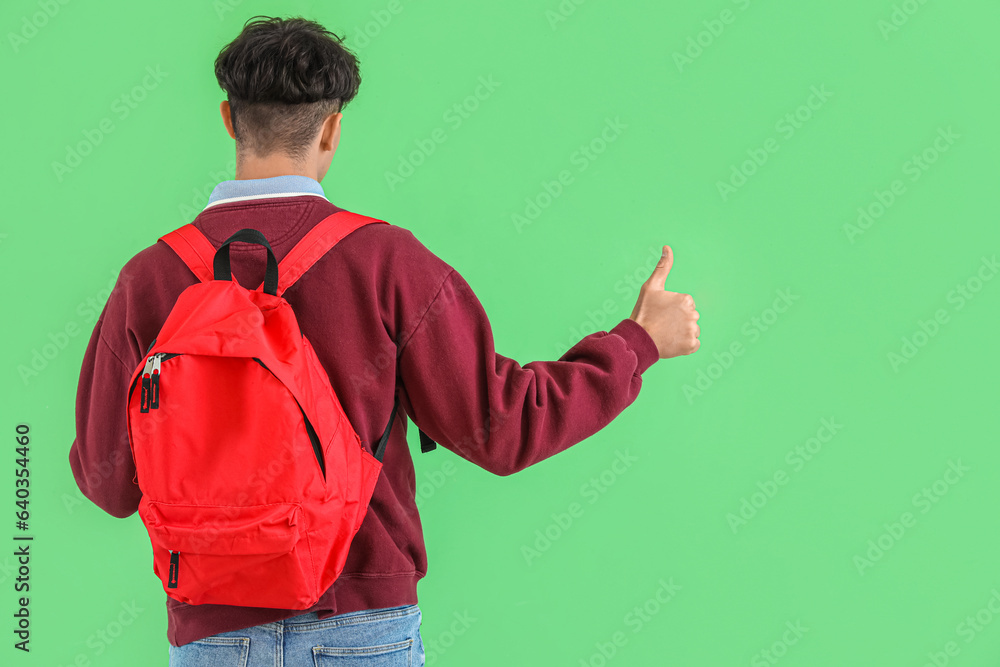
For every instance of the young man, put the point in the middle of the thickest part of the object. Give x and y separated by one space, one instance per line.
387 318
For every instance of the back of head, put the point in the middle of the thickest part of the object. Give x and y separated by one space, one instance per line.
283 77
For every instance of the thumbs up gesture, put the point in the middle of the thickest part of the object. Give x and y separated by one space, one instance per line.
668 317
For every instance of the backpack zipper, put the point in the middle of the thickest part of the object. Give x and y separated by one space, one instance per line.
149 398
154 383
310 431
175 557
144 396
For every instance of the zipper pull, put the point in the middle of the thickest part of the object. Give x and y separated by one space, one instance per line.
174 566
144 396
154 383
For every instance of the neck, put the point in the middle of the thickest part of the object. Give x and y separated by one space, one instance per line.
250 168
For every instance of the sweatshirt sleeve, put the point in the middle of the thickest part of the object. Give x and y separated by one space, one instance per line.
100 455
498 414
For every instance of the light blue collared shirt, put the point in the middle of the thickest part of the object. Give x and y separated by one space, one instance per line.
289 185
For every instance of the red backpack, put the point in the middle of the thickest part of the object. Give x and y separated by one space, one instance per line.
253 480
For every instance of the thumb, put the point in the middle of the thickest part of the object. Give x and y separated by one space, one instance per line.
659 277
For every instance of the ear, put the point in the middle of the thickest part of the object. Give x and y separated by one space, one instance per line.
227 118
329 136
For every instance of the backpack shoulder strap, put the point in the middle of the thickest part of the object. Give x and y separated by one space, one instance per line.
426 444
198 253
192 247
316 243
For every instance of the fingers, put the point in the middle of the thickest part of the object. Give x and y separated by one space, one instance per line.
658 279
695 332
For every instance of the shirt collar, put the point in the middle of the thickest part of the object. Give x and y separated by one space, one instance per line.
288 185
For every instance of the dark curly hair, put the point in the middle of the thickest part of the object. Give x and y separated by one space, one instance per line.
283 77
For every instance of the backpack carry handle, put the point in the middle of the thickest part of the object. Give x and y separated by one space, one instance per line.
223 270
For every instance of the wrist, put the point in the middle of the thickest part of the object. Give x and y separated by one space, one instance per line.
639 341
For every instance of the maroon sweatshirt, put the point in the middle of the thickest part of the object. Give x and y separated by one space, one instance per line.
385 316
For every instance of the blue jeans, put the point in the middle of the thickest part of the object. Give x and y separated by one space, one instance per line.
373 638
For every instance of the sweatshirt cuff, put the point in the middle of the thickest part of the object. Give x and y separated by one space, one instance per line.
639 341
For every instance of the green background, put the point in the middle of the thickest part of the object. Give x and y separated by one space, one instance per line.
700 450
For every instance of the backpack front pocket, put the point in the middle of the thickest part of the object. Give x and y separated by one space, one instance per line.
208 554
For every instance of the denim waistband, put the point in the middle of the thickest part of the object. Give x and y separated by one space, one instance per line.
387 612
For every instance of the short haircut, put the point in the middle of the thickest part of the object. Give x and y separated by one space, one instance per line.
283 77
